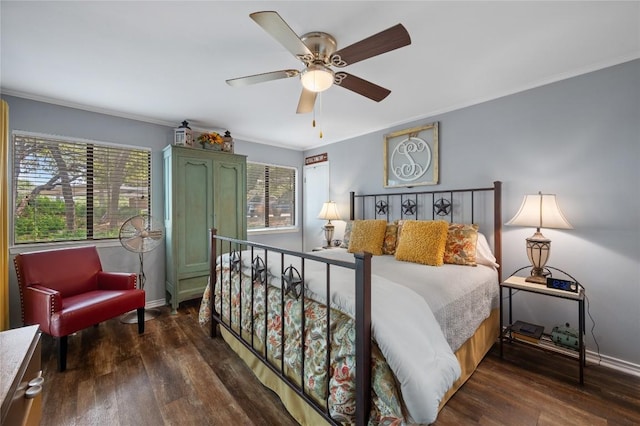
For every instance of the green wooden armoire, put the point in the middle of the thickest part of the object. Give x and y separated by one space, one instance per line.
203 189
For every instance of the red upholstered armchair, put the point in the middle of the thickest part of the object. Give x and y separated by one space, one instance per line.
66 290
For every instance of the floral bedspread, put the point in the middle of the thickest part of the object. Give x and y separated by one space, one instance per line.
287 321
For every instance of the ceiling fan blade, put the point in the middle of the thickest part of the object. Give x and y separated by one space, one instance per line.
361 87
273 23
306 102
260 78
385 41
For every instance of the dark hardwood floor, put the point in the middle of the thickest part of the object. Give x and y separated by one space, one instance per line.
175 374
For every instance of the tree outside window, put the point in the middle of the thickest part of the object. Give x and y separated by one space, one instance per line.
65 189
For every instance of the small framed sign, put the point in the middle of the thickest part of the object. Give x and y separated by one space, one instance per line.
411 157
319 158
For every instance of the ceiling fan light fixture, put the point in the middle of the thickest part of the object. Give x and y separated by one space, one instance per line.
317 78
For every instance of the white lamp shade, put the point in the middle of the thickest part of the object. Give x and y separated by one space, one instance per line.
317 78
540 211
329 211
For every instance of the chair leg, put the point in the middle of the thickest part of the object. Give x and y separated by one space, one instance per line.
140 320
62 353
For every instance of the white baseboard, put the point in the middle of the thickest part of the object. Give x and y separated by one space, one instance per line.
156 303
614 363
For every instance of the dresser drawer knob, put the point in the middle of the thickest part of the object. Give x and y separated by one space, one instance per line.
38 381
32 392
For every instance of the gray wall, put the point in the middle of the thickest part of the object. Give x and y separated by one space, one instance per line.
578 138
40 117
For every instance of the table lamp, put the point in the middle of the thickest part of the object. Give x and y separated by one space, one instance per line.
329 212
539 211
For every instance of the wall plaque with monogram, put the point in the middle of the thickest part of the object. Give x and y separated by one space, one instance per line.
411 157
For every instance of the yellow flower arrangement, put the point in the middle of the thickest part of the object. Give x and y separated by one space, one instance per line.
212 138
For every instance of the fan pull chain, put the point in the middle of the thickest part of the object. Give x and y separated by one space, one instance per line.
320 113
313 123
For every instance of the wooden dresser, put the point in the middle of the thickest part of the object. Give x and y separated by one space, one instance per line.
20 376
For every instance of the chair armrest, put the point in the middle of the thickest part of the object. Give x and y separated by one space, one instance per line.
40 303
116 281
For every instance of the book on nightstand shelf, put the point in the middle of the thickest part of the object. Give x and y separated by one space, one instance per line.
525 331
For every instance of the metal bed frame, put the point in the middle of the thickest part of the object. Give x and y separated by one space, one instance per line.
362 268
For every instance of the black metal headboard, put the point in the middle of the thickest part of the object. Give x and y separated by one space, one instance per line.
469 205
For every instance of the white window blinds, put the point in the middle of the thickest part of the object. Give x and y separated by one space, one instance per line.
271 196
65 189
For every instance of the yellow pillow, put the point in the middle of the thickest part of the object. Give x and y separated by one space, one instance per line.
423 242
367 235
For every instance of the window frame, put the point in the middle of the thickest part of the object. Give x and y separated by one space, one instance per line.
112 241
294 215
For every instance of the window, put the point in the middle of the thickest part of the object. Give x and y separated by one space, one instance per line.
66 189
277 184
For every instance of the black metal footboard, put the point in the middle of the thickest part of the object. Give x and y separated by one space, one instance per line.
237 249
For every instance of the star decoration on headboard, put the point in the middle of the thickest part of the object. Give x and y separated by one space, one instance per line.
381 207
442 207
259 270
292 283
234 261
409 207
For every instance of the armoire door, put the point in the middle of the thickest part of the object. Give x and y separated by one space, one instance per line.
230 199
194 213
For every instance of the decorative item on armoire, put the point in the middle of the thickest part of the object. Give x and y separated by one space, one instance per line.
227 142
183 136
211 140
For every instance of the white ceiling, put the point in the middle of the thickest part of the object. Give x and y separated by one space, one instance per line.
167 61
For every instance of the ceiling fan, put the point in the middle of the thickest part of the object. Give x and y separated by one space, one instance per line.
318 51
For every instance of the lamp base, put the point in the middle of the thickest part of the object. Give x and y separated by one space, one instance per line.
538 251
328 233
536 279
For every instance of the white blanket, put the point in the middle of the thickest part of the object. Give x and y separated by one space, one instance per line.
403 325
460 297
412 342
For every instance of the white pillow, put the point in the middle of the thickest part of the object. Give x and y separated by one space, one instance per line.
484 255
